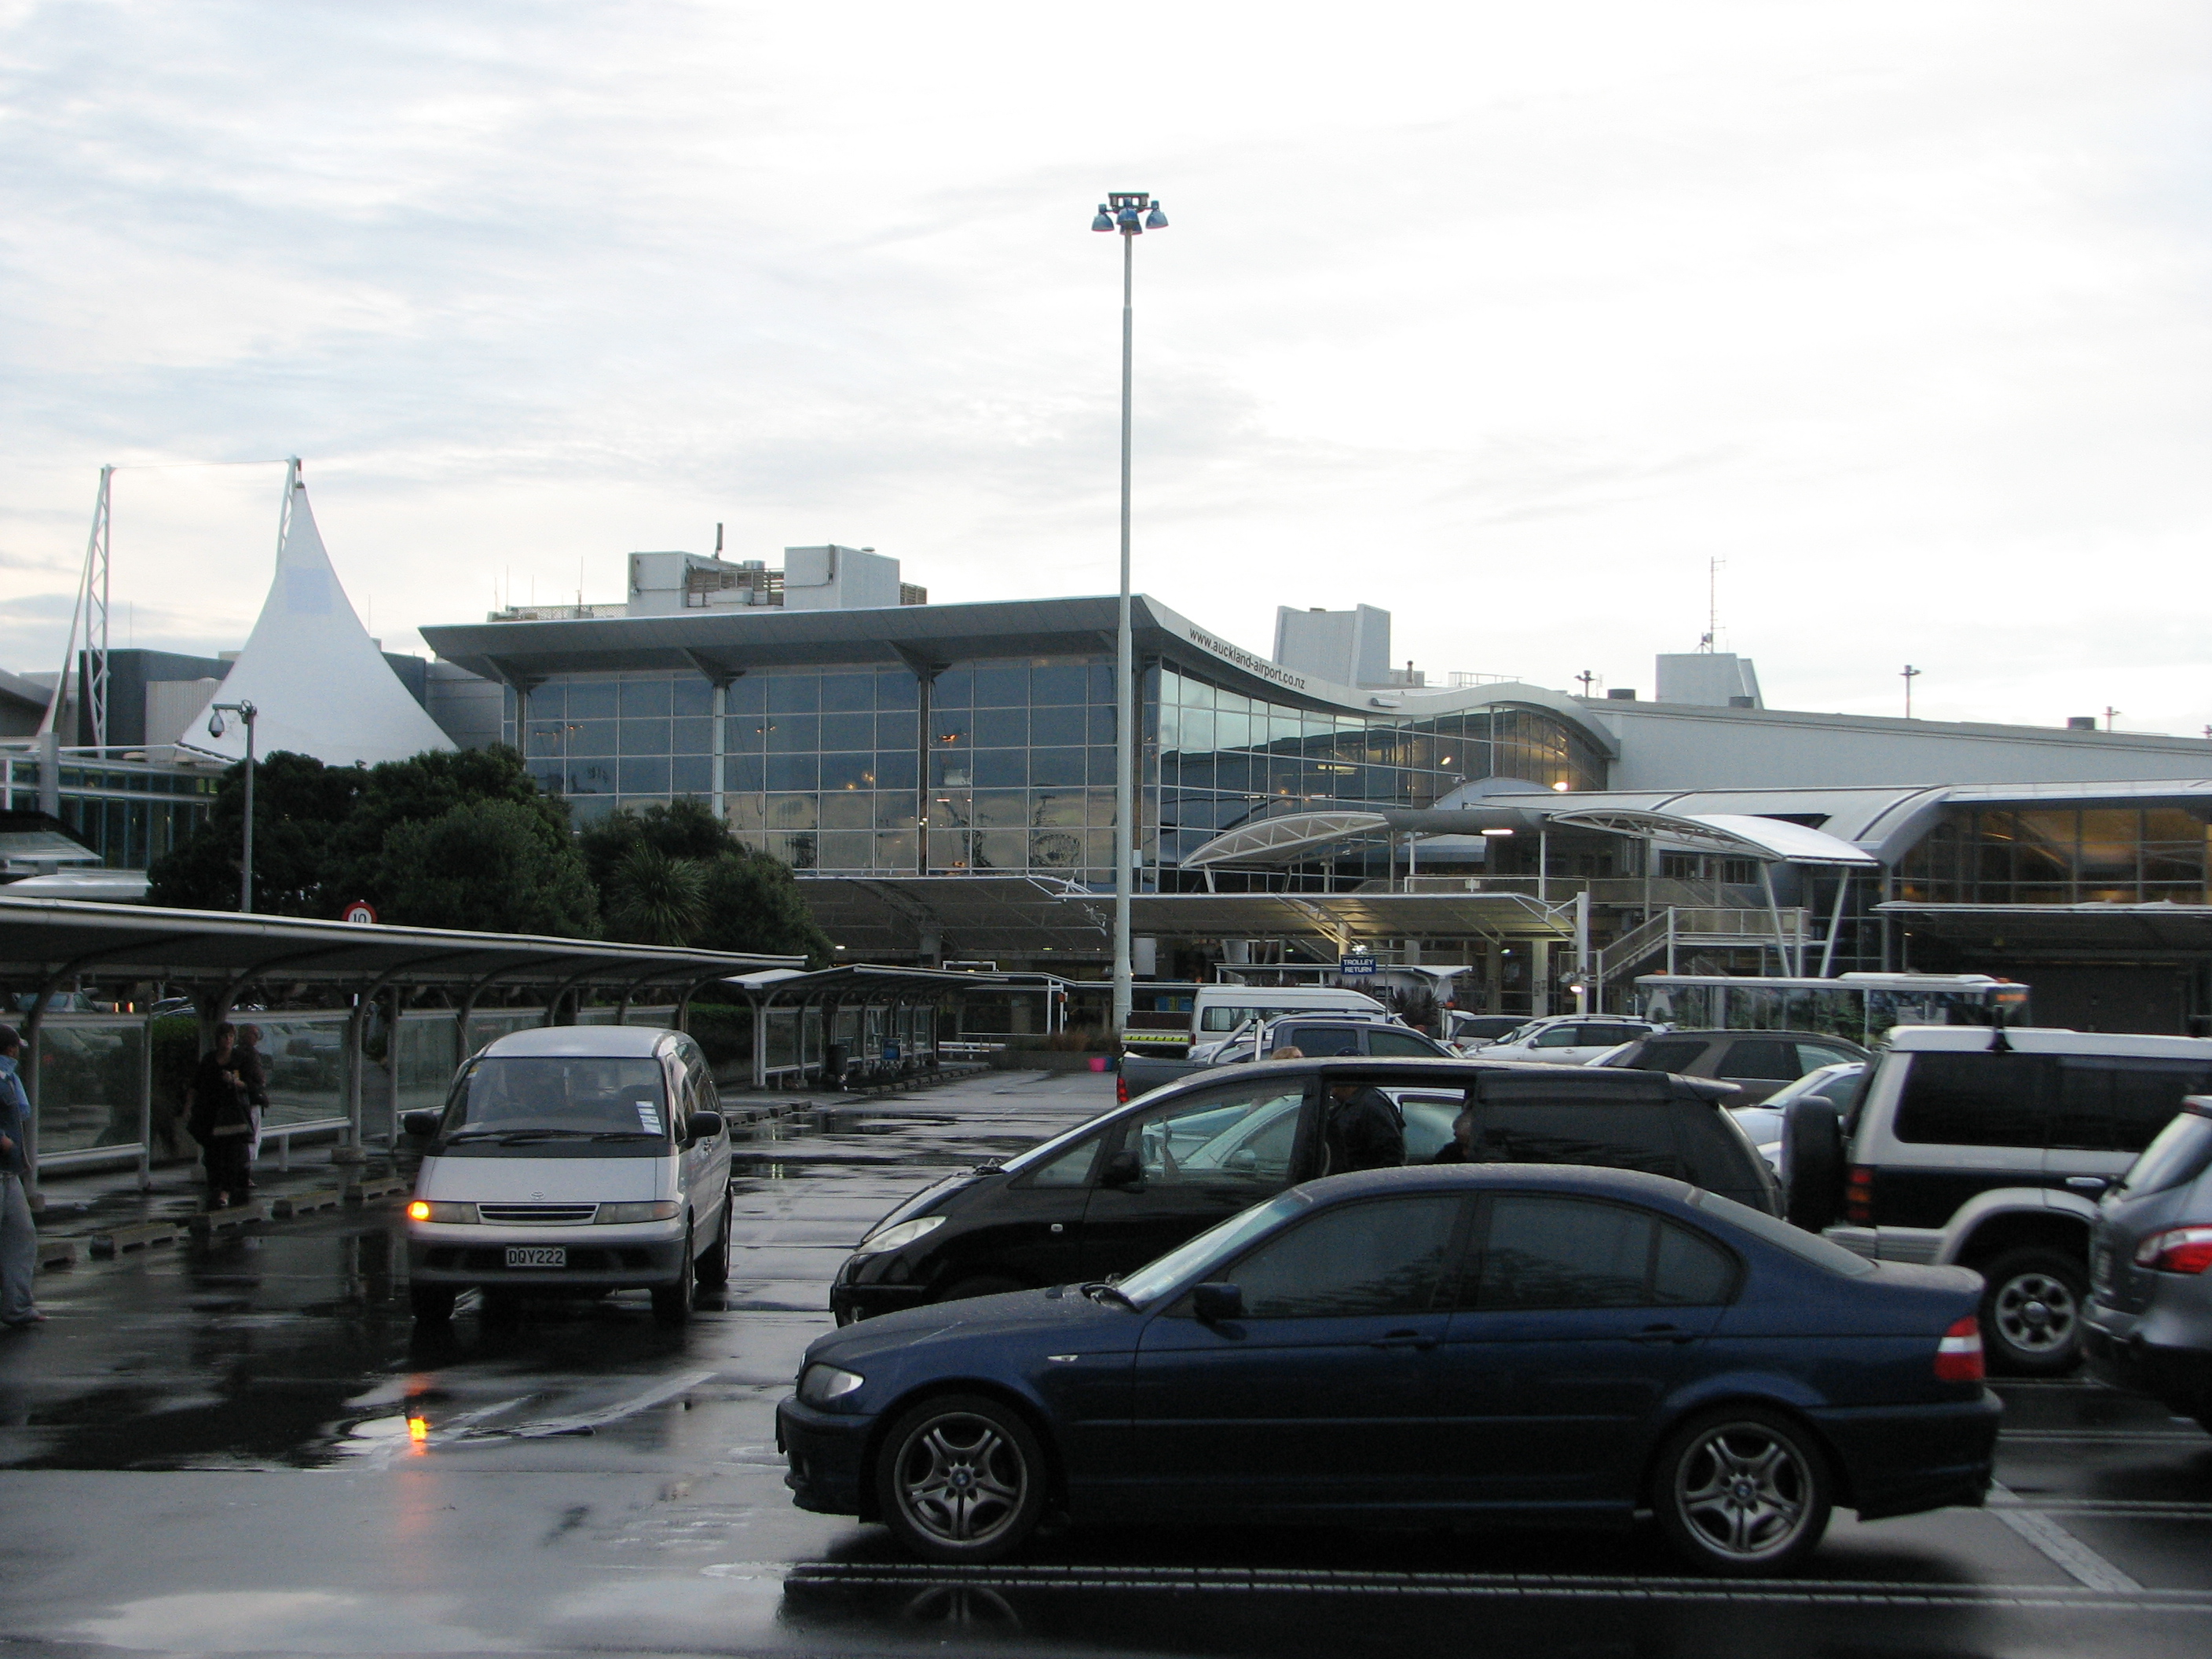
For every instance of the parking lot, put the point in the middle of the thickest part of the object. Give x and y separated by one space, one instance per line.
244 1446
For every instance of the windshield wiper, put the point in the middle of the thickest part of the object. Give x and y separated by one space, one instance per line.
524 1135
1099 1291
621 1134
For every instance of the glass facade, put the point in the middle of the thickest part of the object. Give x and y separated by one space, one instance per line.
2059 854
1005 765
129 812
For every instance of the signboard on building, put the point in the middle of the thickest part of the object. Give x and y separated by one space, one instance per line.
1356 963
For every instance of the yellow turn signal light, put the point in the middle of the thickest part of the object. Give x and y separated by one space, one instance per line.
418 1211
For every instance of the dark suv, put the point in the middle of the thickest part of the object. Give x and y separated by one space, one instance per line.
1756 1062
1123 1189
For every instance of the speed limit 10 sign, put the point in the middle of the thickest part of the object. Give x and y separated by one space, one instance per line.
361 910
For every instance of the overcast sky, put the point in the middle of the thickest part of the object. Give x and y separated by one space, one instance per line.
1506 318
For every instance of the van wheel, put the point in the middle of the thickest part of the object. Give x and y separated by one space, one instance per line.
673 1303
2032 1306
714 1266
432 1303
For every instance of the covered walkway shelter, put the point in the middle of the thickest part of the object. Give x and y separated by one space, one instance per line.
860 1023
90 1077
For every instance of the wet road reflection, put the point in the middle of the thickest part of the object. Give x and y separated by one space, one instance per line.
580 1477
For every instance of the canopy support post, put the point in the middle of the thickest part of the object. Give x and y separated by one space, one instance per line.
1835 921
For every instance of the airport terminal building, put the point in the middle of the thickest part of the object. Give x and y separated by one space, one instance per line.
941 776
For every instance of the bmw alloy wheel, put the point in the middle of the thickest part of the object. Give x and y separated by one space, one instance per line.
1744 1493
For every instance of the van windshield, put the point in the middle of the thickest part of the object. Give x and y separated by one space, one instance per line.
1223 1018
555 1095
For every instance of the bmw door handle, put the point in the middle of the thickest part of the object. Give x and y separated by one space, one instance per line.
2088 1183
1663 1333
1404 1340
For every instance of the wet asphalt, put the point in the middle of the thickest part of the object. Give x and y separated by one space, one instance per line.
243 1446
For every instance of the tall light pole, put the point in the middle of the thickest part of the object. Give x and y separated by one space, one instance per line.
1131 213
245 711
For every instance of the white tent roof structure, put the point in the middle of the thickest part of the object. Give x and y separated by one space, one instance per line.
318 683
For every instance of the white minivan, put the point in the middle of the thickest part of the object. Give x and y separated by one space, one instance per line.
572 1160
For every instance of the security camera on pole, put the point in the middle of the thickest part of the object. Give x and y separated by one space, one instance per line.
246 711
1131 213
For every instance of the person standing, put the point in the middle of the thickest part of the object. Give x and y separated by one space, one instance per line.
253 1071
19 1239
221 1120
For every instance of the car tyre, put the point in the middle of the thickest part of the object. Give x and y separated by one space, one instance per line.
1742 1493
673 1303
960 1478
432 1303
715 1264
2033 1303
967 1290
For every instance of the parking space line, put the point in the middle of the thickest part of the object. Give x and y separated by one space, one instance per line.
2061 1547
830 1574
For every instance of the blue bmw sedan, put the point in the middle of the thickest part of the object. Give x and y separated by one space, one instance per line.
1471 1343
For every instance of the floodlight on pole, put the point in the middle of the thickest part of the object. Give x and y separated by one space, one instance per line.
245 711
1131 213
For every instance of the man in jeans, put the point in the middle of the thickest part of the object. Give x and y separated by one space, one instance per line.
19 1240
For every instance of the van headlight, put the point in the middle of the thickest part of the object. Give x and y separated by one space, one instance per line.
899 1236
660 1209
820 1385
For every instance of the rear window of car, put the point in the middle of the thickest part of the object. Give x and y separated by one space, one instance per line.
1400 1044
2181 1152
1762 1059
1625 1136
1807 1247
1668 1054
1607 1035
1975 1100
2118 1103
1316 1041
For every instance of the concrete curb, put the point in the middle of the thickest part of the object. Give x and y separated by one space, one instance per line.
138 1235
285 1205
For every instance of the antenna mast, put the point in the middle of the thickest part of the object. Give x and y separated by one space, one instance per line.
1711 639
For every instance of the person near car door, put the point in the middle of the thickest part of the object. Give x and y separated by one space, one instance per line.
1365 1129
1460 1149
19 1239
221 1120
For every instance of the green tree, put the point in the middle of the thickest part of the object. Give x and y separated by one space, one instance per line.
487 866
421 789
748 901
653 899
299 804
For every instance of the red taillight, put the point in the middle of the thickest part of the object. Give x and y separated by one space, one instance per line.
1858 1197
2177 1250
1959 1355
1121 1089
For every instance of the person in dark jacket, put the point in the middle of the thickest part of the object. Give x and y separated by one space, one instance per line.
1364 1130
19 1239
221 1120
1460 1149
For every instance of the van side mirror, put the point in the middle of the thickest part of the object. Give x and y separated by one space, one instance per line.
421 1126
703 1126
1122 1169
1213 1303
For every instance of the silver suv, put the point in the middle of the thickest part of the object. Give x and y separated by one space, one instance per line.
2149 1327
1988 1148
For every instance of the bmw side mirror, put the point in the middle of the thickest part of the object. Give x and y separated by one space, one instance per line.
421 1126
1122 1169
1213 1303
704 1125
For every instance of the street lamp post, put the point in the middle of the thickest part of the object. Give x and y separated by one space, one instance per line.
1131 213
245 711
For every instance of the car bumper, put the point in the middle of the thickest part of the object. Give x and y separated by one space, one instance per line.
825 1456
1900 1459
2118 1352
595 1263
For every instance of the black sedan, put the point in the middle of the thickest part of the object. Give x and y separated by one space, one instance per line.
1457 1343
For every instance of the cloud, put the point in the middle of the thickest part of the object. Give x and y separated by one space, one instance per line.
1507 318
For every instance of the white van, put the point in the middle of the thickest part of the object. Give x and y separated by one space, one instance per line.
572 1160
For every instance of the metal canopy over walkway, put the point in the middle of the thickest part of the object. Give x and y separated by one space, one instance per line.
47 946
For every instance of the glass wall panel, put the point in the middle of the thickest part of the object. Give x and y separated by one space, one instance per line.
88 1069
